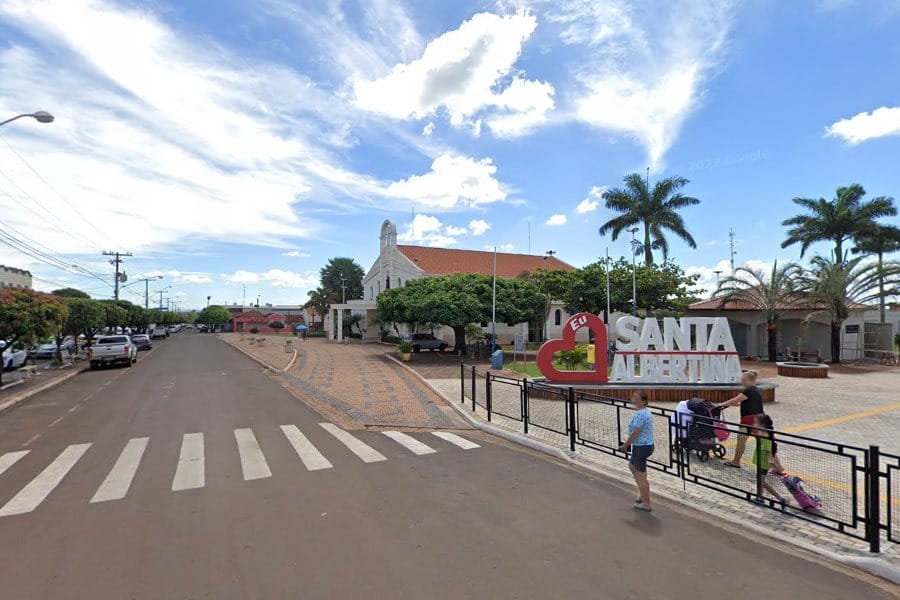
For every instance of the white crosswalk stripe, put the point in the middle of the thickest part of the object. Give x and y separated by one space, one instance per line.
409 442
365 452
190 472
30 496
119 479
309 454
456 440
10 458
253 463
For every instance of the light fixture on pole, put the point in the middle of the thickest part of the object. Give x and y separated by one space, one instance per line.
343 291
634 244
208 298
717 272
41 116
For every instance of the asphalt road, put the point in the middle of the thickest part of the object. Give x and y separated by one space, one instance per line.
250 519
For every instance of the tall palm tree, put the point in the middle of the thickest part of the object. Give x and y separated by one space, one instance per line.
771 293
839 220
879 240
835 287
655 210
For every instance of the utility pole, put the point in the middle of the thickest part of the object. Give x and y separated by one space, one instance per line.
160 292
343 291
494 307
606 320
208 298
634 242
731 244
717 272
244 301
117 261
147 281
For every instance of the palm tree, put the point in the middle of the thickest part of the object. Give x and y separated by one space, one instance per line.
656 211
839 220
879 240
771 293
834 288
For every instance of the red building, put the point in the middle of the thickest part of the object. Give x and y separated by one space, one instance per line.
245 321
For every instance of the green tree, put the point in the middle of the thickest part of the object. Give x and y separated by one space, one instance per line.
214 316
838 287
554 284
770 293
839 220
342 271
277 326
878 240
116 316
70 293
656 211
86 317
320 299
458 300
27 316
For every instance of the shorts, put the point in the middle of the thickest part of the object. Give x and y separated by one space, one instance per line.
749 420
639 456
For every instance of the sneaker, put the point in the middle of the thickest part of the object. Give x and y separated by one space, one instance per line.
643 507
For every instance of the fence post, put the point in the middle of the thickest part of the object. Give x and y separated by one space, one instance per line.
487 393
474 387
462 382
524 409
873 498
570 405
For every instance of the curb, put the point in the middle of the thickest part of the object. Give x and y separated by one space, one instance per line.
872 565
39 389
260 361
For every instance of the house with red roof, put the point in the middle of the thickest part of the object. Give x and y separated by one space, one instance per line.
245 321
397 264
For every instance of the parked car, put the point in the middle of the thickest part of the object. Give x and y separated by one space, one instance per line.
203 328
425 341
159 333
11 358
173 329
48 348
142 341
113 349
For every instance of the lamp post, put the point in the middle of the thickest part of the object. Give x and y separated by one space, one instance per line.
494 307
147 281
160 292
41 116
634 243
208 298
343 291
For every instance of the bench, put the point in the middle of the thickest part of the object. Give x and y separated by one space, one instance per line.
804 355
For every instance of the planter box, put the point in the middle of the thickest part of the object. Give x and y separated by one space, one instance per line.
803 370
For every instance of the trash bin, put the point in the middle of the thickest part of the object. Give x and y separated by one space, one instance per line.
591 355
497 359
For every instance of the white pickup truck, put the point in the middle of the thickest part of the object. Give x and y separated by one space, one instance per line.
112 349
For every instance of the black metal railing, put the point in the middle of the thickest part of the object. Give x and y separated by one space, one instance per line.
848 489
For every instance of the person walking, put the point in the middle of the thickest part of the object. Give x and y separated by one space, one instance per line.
750 400
640 444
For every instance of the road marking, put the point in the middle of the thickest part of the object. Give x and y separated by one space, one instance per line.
409 442
56 421
74 408
190 471
456 440
34 437
843 419
365 452
40 487
253 463
10 458
309 454
117 482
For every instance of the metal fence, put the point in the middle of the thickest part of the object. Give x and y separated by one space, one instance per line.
852 490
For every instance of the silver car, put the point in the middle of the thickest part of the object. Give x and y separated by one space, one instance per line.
11 359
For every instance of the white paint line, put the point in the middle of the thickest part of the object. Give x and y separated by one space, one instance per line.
409 442
30 496
456 440
10 458
56 421
253 463
365 452
74 408
117 482
309 454
190 472
34 437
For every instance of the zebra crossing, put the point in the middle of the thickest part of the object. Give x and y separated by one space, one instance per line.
191 464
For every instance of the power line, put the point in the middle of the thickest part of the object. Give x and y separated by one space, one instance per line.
44 257
53 189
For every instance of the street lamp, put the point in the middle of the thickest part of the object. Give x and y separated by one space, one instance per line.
344 291
41 116
634 243
208 298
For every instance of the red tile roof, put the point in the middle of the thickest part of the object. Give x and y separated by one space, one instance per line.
253 316
447 261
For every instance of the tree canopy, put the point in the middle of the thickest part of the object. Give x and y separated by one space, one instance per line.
331 279
213 316
27 316
70 293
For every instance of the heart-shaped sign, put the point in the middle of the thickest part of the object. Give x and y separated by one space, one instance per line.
551 347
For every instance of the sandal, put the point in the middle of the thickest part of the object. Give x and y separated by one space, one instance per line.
728 463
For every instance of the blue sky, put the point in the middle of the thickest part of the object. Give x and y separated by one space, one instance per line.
240 148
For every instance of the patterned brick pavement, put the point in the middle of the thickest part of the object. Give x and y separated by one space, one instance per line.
355 385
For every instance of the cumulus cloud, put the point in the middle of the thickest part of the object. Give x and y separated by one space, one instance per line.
428 230
479 226
556 220
707 282
454 181
501 248
865 126
275 278
453 230
428 129
296 254
591 202
467 72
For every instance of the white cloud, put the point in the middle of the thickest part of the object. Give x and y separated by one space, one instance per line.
556 220
453 181
865 126
501 248
296 254
453 230
591 202
709 278
275 278
646 66
462 72
196 278
479 226
428 129
430 231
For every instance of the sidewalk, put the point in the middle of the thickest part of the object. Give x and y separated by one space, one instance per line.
19 388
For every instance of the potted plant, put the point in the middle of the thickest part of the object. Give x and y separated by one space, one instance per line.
404 349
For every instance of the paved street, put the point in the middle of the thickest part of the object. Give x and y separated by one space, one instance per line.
196 475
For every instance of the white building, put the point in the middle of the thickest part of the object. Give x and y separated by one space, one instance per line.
13 277
398 264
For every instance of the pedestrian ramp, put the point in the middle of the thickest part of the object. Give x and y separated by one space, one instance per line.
189 471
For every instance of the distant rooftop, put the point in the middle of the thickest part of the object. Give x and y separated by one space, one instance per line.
448 261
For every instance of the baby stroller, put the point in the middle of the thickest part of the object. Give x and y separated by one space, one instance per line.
696 428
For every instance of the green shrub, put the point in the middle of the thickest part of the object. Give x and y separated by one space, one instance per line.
571 359
254 330
404 347
317 333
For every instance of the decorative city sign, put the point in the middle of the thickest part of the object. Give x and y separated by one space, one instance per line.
689 350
